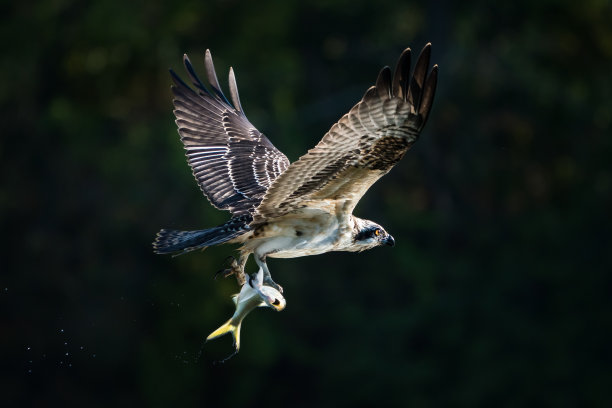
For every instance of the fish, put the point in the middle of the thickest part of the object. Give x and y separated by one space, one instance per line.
253 294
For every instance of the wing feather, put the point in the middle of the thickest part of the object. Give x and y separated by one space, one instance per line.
361 147
234 90
212 78
233 162
400 78
418 79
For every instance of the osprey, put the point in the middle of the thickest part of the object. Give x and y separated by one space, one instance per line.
286 210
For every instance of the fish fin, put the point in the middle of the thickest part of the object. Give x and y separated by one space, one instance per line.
228 327
259 278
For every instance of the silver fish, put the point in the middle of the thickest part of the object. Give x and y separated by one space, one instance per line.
252 295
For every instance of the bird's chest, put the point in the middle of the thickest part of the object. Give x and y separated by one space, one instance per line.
301 237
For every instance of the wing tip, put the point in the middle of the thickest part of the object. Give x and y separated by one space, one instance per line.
383 82
425 53
402 71
233 85
186 60
211 75
402 78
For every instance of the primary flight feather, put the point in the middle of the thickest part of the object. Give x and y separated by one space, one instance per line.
286 210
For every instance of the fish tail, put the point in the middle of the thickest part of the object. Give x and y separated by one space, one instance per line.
228 327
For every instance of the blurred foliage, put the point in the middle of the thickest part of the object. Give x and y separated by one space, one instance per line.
498 292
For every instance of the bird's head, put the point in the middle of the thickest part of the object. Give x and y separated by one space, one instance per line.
368 235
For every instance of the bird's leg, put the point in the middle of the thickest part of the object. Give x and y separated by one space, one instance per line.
267 278
234 267
240 275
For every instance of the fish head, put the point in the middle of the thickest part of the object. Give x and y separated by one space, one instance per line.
272 298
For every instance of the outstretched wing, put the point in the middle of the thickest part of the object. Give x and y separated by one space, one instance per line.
233 162
361 147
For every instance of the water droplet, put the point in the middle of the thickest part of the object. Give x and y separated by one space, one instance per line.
81 347
65 343
66 353
61 330
93 355
30 361
70 365
30 371
6 289
28 348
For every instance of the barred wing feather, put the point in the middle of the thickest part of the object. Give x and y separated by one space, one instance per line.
361 147
233 163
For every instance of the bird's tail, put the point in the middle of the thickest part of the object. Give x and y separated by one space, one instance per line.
228 327
180 242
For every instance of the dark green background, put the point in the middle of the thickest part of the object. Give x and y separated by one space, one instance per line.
498 292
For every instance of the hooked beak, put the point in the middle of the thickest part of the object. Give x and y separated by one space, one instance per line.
389 241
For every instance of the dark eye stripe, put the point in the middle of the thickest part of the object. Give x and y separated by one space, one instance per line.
365 234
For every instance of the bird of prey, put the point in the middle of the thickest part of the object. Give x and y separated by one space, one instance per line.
286 210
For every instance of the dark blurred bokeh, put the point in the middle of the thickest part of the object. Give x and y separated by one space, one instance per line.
498 292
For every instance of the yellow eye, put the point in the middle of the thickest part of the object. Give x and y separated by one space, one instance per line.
377 232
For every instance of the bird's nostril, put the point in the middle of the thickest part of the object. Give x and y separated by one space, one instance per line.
276 302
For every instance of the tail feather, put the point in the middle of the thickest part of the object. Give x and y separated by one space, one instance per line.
228 327
180 242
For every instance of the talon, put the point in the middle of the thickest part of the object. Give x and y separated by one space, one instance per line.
230 262
270 282
223 272
231 268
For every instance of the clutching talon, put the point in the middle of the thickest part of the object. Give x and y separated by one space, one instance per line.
269 282
229 260
232 268
228 264
223 272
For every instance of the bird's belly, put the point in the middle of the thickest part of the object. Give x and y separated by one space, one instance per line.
293 241
303 251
